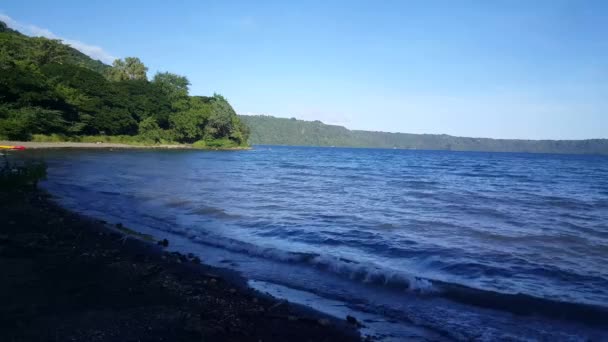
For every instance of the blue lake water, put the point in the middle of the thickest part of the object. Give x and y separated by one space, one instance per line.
460 245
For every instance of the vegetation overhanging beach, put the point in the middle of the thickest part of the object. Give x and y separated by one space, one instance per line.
51 92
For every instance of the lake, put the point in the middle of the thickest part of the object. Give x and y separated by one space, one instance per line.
416 244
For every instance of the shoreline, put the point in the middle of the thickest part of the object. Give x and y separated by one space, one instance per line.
70 277
35 145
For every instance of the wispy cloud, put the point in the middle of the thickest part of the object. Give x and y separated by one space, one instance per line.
92 51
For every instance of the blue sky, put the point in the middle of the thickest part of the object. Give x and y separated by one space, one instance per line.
501 69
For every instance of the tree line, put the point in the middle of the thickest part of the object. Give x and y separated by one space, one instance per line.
49 88
268 130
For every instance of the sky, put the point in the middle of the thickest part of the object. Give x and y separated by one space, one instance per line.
500 69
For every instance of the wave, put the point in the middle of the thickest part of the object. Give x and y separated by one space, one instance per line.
523 304
413 184
213 211
601 203
111 193
373 275
178 203
566 203
352 269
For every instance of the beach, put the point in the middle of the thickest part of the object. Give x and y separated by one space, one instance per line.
67 277
82 145
35 145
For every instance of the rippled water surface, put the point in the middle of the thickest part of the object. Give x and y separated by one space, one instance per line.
506 245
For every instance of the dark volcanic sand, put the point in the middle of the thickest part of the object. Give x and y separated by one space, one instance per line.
68 278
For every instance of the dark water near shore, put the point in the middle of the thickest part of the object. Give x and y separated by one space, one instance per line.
467 245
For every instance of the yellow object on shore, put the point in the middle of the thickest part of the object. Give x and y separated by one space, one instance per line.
11 147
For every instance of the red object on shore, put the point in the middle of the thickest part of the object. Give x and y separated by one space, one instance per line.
12 147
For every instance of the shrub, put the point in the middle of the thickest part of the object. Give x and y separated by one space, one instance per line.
215 143
20 175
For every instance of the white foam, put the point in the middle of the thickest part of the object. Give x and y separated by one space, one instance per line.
363 271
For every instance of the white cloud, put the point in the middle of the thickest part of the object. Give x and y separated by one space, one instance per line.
92 51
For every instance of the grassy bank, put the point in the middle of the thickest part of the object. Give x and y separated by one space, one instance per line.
102 141
70 278
111 139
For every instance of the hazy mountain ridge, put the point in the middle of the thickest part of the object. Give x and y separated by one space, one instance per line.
269 130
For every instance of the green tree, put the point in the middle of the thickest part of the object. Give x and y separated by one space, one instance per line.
19 123
175 87
45 121
149 129
12 125
86 92
220 122
143 99
5 28
49 51
243 132
187 126
114 121
131 68
47 87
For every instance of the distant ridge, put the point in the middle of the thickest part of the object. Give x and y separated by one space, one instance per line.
269 130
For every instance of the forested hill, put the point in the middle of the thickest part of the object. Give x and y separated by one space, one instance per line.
49 90
268 130
18 44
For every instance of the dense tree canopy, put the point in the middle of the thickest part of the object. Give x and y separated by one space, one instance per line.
47 87
17 47
268 130
175 87
131 68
